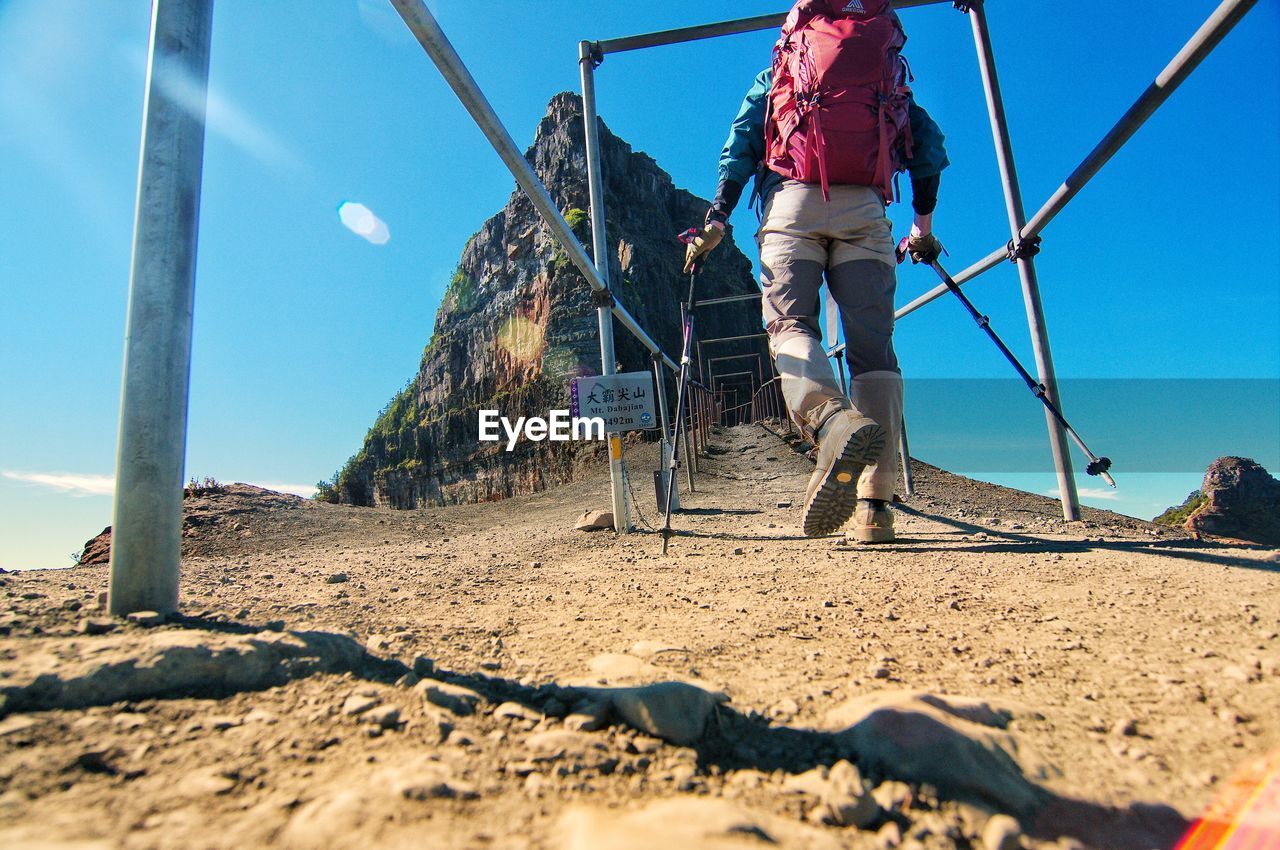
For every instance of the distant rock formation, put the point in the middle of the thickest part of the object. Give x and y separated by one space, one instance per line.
517 324
97 550
1238 500
210 511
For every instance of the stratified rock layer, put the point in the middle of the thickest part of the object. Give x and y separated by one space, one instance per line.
517 324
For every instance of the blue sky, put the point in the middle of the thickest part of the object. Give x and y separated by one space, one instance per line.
1164 267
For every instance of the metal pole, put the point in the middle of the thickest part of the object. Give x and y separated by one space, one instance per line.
428 33
904 454
692 457
684 34
697 344
1026 265
146 538
599 247
734 338
984 265
688 465
726 299
665 442
1210 34
713 414
1208 37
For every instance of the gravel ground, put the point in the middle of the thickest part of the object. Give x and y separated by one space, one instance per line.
1128 667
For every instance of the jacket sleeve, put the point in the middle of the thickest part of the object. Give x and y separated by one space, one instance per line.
928 149
744 149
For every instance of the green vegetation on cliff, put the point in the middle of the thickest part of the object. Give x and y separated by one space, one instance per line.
391 443
1177 516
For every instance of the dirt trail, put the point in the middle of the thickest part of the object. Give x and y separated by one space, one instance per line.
1135 664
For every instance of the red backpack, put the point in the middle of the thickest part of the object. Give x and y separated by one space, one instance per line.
838 108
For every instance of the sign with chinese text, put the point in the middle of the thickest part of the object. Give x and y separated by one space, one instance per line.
625 402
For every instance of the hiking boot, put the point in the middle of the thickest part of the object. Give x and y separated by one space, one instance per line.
846 444
873 522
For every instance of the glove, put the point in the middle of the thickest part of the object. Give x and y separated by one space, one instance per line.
710 236
924 248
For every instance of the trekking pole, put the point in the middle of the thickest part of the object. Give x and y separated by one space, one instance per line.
682 389
1097 465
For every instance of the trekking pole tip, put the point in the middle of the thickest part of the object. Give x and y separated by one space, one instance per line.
1100 467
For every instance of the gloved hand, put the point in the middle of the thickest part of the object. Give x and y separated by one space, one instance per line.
710 236
924 248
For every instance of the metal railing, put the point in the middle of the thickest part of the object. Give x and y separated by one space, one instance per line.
1024 241
153 417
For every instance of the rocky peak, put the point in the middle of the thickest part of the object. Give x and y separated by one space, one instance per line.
1241 501
517 324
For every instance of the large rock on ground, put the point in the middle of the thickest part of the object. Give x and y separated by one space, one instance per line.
957 745
78 673
1242 502
384 809
685 822
646 697
676 712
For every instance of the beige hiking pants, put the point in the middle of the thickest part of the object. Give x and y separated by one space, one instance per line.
849 241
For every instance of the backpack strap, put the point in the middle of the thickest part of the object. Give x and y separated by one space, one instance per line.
820 150
885 160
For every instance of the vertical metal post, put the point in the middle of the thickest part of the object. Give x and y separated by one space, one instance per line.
695 411
1026 265
698 444
600 255
146 539
688 456
665 444
904 456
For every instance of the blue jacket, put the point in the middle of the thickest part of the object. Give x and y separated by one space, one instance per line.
744 150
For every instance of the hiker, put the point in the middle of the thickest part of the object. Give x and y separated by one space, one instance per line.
825 154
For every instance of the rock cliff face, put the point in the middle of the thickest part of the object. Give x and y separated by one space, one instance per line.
517 324
1240 501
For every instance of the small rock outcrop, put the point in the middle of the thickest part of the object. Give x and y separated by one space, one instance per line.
210 514
97 550
517 324
1238 500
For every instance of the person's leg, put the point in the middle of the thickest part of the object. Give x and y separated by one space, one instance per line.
862 278
793 257
864 290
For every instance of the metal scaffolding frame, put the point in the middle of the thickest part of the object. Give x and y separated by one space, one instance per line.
156 375
1025 234
758 365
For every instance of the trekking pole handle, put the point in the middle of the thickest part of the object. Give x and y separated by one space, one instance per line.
686 237
900 253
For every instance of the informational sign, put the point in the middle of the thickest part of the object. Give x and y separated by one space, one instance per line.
625 402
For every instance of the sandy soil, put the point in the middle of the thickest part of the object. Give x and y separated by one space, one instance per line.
1137 666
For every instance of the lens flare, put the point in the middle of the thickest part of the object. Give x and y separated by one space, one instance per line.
361 221
522 339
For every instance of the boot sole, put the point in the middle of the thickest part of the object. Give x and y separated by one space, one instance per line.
837 496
